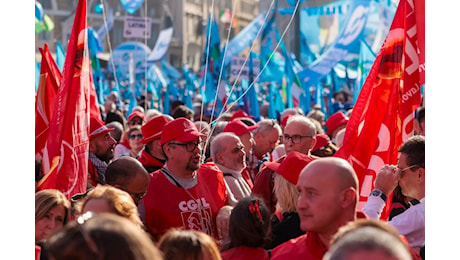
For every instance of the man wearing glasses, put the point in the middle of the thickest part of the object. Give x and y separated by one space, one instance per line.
300 136
186 193
128 174
410 174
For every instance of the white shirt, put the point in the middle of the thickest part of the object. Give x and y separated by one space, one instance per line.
236 184
410 223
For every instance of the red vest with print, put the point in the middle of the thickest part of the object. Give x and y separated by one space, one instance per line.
167 205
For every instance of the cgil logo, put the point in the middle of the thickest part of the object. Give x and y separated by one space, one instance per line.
193 204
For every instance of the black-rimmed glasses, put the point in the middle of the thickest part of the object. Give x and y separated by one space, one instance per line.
136 196
190 147
295 139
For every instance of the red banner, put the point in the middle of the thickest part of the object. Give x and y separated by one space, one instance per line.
65 159
50 77
382 118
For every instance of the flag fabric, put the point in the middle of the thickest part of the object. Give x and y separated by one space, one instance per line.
42 21
65 159
348 39
60 56
37 74
50 77
252 97
382 118
366 59
212 66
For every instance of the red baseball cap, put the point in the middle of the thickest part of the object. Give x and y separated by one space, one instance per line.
136 113
152 129
180 129
240 113
97 127
284 120
321 141
291 166
335 120
238 127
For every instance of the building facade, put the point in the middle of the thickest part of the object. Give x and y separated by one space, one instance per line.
188 18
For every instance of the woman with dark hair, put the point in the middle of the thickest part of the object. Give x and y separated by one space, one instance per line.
249 230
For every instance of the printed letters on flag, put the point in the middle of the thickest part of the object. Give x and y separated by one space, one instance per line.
380 121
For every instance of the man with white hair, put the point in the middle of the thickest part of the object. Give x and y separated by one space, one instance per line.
227 152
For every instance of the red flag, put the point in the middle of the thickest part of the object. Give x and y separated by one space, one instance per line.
65 157
382 118
44 100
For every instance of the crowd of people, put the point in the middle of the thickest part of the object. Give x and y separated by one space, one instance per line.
180 186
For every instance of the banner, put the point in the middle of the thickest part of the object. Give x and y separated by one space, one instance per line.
243 39
161 45
348 38
120 57
382 118
65 160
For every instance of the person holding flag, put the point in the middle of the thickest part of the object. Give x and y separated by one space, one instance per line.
410 174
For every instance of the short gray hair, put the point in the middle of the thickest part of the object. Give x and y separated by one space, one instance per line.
217 144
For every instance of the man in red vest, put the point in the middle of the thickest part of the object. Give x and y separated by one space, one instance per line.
186 193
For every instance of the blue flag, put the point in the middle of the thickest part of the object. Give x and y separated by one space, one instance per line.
348 38
212 62
253 99
243 39
60 56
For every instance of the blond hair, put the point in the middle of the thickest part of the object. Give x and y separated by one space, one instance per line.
286 193
118 200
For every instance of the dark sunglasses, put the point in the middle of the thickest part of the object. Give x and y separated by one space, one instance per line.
136 122
134 136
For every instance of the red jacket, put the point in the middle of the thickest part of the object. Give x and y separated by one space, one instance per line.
264 183
149 162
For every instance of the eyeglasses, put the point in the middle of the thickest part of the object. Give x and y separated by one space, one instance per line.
136 196
88 239
401 171
134 136
136 122
190 147
238 149
295 139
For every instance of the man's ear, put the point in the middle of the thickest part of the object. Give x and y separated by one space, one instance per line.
348 198
92 146
219 158
421 175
